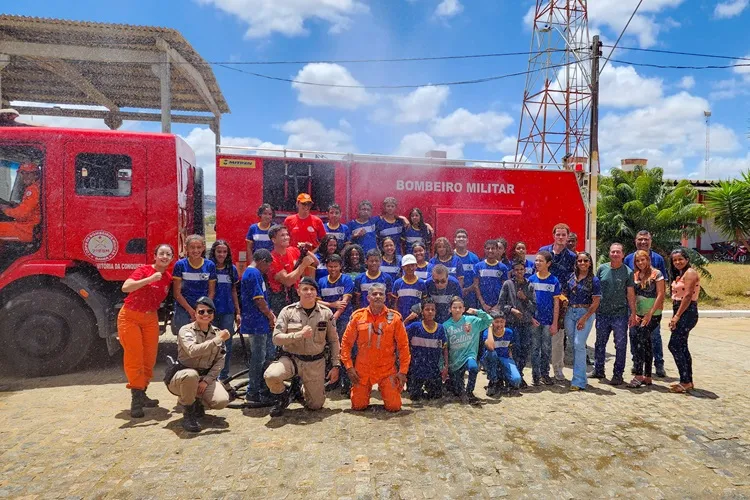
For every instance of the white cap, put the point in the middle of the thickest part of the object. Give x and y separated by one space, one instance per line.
408 259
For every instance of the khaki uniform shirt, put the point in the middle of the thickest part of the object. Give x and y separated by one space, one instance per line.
288 331
201 351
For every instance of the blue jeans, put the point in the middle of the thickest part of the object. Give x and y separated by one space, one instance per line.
225 322
262 352
180 318
578 339
510 374
619 326
522 347
656 345
541 351
458 376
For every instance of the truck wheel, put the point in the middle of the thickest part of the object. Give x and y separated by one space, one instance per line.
45 332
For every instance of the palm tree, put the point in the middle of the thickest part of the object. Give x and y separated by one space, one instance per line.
729 204
632 201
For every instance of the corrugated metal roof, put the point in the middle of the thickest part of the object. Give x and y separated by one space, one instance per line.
129 84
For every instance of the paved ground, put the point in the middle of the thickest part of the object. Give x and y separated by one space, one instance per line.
71 436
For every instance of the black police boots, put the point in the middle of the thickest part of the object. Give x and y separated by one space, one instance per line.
189 422
136 404
147 401
198 409
282 401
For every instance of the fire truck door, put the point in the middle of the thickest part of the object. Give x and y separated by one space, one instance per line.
105 204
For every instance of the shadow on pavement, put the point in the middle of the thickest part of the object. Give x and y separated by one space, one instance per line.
301 416
379 412
153 417
211 425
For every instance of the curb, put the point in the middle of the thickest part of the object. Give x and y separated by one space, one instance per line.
716 313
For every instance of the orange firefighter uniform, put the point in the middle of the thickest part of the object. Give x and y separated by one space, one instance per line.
377 338
26 214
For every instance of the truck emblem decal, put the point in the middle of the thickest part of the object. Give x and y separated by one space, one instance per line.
100 246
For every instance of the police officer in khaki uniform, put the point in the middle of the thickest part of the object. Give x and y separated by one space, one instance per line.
302 331
200 353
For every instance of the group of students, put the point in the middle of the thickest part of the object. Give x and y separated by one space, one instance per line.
461 312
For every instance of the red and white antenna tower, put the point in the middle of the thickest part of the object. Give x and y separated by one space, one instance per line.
555 118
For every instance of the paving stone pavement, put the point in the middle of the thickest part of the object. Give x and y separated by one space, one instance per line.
71 437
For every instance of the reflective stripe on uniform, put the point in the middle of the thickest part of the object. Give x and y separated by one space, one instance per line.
544 287
489 273
327 292
423 342
410 292
223 278
261 237
390 231
441 299
195 276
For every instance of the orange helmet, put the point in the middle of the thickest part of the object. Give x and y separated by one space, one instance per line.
28 167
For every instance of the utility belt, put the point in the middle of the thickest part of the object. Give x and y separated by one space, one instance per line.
174 366
306 357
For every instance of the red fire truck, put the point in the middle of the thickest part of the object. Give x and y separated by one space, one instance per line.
107 199
487 199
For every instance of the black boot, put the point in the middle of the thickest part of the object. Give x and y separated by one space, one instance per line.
136 404
198 409
189 423
492 389
282 401
147 401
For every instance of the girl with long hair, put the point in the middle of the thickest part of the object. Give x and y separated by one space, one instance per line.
226 299
686 288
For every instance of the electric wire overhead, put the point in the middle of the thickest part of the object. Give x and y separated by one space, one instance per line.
675 66
679 53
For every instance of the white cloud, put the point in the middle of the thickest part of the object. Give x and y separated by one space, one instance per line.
335 97
622 86
288 17
487 128
420 143
449 8
744 69
310 134
730 8
687 82
729 89
725 167
420 105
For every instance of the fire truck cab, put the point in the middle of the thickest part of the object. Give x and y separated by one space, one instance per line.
107 198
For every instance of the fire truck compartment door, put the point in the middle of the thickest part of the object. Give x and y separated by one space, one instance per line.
481 224
105 204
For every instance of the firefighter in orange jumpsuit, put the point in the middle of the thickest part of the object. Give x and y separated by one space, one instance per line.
378 332
27 214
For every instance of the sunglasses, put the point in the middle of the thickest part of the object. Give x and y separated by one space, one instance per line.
440 282
204 312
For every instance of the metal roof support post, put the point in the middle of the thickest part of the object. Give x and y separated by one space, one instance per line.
216 129
162 71
4 61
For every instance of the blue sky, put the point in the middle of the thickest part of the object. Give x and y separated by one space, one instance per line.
646 112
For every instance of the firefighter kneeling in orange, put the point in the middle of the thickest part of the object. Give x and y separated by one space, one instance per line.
378 332
26 214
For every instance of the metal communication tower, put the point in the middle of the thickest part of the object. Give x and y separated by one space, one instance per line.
707 114
555 116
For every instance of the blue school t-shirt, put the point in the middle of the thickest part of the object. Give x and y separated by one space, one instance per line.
393 229
582 292
260 239
194 280
408 294
333 291
546 290
322 270
426 348
369 240
253 286
342 233
413 236
226 280
443 297
423 272
502 344
491 279
455 268
392 269
363 283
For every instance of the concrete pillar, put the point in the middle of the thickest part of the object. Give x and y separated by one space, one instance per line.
162 71
4 61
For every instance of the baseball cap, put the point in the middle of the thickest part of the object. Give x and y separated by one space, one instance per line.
28 167
408 259
304 198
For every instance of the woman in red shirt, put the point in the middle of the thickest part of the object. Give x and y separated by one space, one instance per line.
138 325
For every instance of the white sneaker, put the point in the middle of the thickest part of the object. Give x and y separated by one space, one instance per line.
559 376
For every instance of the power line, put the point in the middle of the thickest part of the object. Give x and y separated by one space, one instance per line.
679 53
673 66
409 86
620 37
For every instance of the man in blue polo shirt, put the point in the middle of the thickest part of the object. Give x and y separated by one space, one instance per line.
643 242
442 288
257 321
563 265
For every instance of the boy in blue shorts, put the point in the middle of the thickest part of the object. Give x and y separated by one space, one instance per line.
497 359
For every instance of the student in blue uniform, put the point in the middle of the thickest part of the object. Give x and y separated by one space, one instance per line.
363 227
519 252
391 224
226 301
497 358
391 263
417 232
502 251
354 260
444 255
257 234
257 322
518 303
428 346
373 274
468 261
408 290
328 246
335 227
489 276
544 323
422 269
192 278
442 288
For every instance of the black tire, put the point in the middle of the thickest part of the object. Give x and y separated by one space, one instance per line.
45 332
